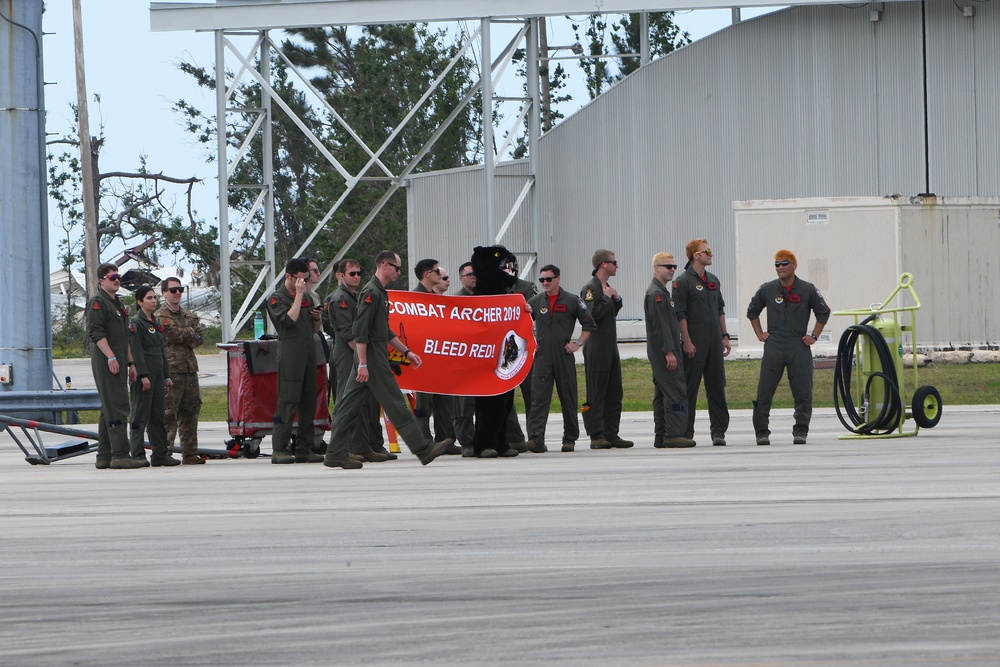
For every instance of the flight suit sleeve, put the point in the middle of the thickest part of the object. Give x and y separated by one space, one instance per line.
654 325
599 304
819 307
756 306
135 331
277 310
96 320
343 322
584 317
680 299
361 329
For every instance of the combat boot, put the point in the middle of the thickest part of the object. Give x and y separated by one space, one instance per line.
126 463
164 461
600 443
282 457
536 447
618 443
192 459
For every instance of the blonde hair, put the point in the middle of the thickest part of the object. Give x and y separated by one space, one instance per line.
692 247
660 257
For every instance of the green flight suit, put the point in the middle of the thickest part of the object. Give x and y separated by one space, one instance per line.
553 329
108 318
670 402
602 365
788 312
148 407
515 436
463 419
437 406
340 310
296 371
182 333
371 327
699 300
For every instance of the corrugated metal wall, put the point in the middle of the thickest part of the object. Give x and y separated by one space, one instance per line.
806 102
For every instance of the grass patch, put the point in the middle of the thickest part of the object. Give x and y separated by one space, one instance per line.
968 384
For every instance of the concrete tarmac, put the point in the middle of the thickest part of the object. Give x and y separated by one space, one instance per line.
879 552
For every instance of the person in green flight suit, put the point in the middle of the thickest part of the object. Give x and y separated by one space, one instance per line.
701 314
666 358
372 338
788 302
602 365
438 407
339 311
296 318
150 388
107 328
556 313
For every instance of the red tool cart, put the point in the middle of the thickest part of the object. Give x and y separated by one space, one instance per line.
253 393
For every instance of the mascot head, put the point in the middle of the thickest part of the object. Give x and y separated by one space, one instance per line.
489 264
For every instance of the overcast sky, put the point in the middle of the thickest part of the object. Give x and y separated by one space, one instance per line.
135 73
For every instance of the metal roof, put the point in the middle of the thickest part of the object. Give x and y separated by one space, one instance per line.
275 14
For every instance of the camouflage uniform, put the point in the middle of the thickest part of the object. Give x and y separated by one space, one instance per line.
181 335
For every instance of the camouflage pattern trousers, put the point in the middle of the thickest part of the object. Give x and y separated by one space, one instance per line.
183 408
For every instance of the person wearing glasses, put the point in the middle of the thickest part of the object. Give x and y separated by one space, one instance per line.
373 376
666 358
113 368
601 363
465 406
515 436
182 334
787 344
556 313
152 384
701 314
438 407
365 442
296 318
445 284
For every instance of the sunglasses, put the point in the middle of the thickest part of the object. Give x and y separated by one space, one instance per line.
783 262
668 266
114 277
547 280
175 290
445 278
395 266
706 251
470 274
610 261
355 274
436 270
313 270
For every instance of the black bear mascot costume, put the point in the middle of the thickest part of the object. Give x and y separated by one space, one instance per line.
494 269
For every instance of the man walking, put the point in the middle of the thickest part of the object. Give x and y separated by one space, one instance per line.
296 317
182 334
372 337
556 312
364 435
666 359
601 362
112 365
701 313
787 344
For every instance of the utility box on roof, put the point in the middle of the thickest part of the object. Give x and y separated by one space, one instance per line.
855 248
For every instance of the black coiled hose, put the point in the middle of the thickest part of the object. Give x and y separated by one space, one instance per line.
891 414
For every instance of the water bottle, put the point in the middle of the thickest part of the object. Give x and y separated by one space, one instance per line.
258 325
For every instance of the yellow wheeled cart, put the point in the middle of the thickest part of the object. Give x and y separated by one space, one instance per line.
870 369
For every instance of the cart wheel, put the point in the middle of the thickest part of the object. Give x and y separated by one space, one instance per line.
926 407
251 448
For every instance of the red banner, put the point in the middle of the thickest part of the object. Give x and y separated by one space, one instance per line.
469 345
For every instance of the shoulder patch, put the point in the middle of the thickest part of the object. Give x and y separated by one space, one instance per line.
96 306
675 284
343 304
589 296
368 298
274 300
131 327
659 298
166 323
